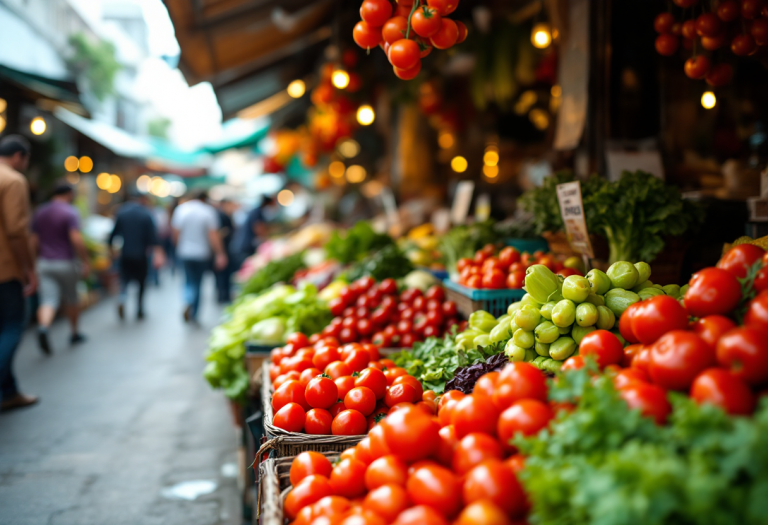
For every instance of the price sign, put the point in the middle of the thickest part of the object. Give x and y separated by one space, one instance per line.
572 211
461 201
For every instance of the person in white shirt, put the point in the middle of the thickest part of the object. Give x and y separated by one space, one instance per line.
195 227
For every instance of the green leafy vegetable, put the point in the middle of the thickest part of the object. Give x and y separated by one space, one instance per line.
355 243
464 241
274 272
389 262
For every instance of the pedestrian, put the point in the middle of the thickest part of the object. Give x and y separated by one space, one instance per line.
226 230
141 248
59 244
255 230
17 266
195 226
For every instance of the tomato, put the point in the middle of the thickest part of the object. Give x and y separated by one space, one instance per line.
331 506
321 392
408 74
721 388
751 8
387 501
308 463
604 346
625 323
376 12
343 385
677 358
712 291
358 359
697 67
519 381
516 279
650 400
642 359
436 487
411 434
349 423
348 335
462 32
402 393
290 418
404 54
420 515
708 24
366 35
393 372
473 449
629 376
575 362
629 353
362 399
712 328
325 356
744 351
451 395
426 21
711 43
336 305
381 340
689 29
309 490
657 316
412 381
728 11
739 259
444 7
282 378
337 409
486 385
298 340
760 283
759 31
289 392
446 36
527 416
464 262
516 463
475 282
743 45
378 443
337 369
667 44
364 327
318 421
474 414
447 445
663 22
348 478
366 282
757 311
494 481
373 379
495 279
386 470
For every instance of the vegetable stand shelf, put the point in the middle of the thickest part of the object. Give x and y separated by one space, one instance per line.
470 300
256 355
286 443
528 245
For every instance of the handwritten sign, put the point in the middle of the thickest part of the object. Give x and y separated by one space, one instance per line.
572 211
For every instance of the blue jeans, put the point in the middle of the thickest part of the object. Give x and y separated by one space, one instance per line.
11 329
194 271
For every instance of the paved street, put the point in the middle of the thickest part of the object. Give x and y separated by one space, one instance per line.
123 418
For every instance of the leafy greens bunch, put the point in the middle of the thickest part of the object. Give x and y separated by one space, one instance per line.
464 241
354 244
278 271
389 262
602 464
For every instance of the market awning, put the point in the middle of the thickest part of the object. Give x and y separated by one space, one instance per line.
114 139
58 92
239 133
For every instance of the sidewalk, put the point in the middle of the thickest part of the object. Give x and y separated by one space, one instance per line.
121 418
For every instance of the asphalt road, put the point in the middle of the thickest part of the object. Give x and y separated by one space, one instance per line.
123 420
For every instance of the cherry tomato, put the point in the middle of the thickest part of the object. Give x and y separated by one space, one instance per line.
366 35
289 392
494 280
712 328
446 36
721 388
309 490
728 11
604 346
318 421
386 470
343 385
444 7
462 32
337 369
420 515
349 423
388 286
402 393
376 12
743 45
373 379
650 400
527 416
697 67
474 414
744 350
712 291
496 482
689 29
436 487
720 75
708 24
516 279
321 392
393 372
404 54
426 21
362 399
290 418
751 8
308 463
331 505
348 478
463 263
663 22
486 385
451 395
337 409
759 31
381 340
739 259
629 376
325 356
411 434
358 359
298 340
519 381
677 358
667 44
656 316
575 362
387 501
408 74
757 311
348 335
473 449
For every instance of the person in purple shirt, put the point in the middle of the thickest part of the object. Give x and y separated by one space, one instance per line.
59 245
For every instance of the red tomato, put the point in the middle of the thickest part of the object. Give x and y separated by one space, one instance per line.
604 346
289 392
444 7
381 340
290 418
642 359
712 291
388 286
494 481
463 263
309 490
401 393
298 340
575 362
325 356
407 379
321 392
486 385
436 487
697 67
426 21
474 414
450 309
436 293
386 470
349 423
475 282
393 372
404 54
519 381
744 351
420 515
366 35
473 449
308 463
447 445
728 11
362 399
712 328
393 30
625 323
318 421
282 378
751 8
656 316
708 24
495 279
651 400
451 395
527 416
446 36
629 376
743 45
331 506
358 359
337 409
337 369
721 388
760 283
411 434
388 501
516 279
344 384
407 340
677 358
757 311
629 354
739 259
508 256
348 335
348 478
373 379
336 306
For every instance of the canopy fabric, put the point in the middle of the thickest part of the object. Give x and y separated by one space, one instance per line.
114 139
57 90
239 133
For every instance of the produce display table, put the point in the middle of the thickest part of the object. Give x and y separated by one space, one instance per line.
470 300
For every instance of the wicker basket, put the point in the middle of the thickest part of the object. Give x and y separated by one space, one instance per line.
292 443
274 484
470 300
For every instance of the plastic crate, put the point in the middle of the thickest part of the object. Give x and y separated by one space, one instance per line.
438 274
470 300
528 245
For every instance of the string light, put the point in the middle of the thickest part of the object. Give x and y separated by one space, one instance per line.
459 164
541 36
71 163
340 79
102 181
38 126
296 89
365 115
708 100
86 164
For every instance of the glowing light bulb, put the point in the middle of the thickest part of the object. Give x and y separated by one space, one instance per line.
365 115
708 100
102 181
541 36
71 163
86 164
459 164
296 88
340 79
38 126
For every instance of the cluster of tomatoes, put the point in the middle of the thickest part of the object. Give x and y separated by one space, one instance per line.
742 25
369 312
323 388
409 31
417 469
494 269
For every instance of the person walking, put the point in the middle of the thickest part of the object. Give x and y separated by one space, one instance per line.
59 244
195 226
135 225
17 266
255 229
226 230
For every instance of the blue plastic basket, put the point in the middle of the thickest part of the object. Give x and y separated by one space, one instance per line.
470 300
258 349
528 245
438 274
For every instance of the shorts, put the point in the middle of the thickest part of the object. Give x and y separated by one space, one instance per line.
58 281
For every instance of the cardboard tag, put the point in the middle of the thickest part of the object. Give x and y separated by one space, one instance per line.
572 211
461 201
482 207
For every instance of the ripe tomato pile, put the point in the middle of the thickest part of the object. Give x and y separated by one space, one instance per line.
713 359
741 25
504 269
415 468
409 31
341 390
368 312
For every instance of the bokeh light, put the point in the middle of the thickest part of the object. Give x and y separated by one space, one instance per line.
86 164
539 118
356 173
445 140
102 181
71 163
285 197
349 148
541 36
365 115
38 126
336 169
491 158
491 171
459 164
143 183
114 184
708 100
297 88
340 79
